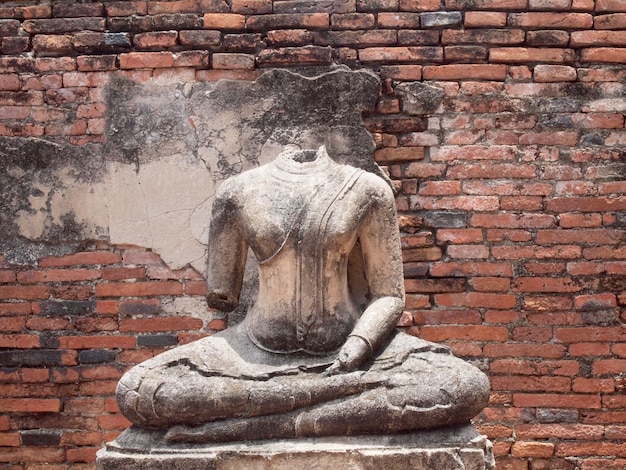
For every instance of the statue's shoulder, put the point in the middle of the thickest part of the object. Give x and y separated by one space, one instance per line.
374 186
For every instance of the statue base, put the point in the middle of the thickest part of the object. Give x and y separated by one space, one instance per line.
453 448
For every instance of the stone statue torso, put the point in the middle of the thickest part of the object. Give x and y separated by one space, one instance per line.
302 220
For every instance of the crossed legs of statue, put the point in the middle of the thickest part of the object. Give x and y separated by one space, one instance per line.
412 384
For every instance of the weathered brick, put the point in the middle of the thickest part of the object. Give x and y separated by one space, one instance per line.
612 21
604 55
610 5
355 21
398 20
551 20
598 38
200 38
14 45
233 61
187 6
547 38
411 37
126 8
529 54
465 72
287 21
554 73
309 55
465 53
9 27
63 25
419 5
26 12
156 40
139 60
483 19
401 54
486 4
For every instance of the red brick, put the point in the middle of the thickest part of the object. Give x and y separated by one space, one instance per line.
491 170
200 38
545 284
466 269
402 72
139 60
476 300
554 73
543 400
584 385
155 40
486 4
160 324
465 332
24 292
587 204
589 349
559 431
58 275
354 21
447 317
48 324
139 289
549 20
544 268
544 367
611 21
604 55
595 301
251 7
482 19
540 450
567 449
10 81
417 301
26 12
547 303
512 220
490 284
231 61
91 342
309 55
401 54
30 405
126 8
83 258
512 55
419 5
552 351
610 5
287 21
440 188
113 421
609 366
589 334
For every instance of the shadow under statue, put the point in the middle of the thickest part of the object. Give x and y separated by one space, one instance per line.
313 357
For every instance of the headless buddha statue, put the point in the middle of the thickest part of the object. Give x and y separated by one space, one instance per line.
309 359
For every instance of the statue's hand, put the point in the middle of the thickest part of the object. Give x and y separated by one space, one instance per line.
353 354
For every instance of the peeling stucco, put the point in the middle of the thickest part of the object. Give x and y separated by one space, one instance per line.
168 146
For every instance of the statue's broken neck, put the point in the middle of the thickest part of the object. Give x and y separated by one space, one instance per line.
296 161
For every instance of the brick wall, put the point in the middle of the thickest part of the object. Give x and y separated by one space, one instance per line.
501 122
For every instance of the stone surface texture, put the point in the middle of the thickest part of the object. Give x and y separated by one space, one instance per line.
459 448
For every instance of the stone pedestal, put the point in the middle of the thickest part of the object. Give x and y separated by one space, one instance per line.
455 448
